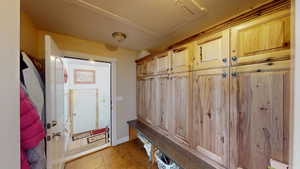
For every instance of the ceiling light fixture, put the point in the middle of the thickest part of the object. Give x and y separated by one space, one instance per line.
119 36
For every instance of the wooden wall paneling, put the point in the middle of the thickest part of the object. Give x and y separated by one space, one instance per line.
163 103
181 58
212 51
259 115
264 39
210 111
180 116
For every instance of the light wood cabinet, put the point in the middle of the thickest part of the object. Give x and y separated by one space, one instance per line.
260 98
227 103
163 102
181 58
264 39
163 63
141 70
210 108
150 106
151 66
141 112
212 51
180 103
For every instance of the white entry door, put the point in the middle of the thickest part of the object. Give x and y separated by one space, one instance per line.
54 105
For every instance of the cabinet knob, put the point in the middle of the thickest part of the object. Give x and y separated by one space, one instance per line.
234 74
224 60
234 58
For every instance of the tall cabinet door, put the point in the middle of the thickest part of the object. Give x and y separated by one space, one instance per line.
259 121
210 95
211 51
181 116
150 100
264 39
141 99
163 103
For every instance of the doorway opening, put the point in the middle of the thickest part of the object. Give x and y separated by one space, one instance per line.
87 105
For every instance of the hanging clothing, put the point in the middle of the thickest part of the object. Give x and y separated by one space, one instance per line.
23 66
34 85
31 127
36 156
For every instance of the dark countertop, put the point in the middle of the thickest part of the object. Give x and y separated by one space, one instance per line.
183 158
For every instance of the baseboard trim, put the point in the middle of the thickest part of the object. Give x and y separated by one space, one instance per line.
78 155
121 140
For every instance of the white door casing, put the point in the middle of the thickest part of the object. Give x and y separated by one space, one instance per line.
54 104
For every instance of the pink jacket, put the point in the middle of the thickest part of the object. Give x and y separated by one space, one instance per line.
32 130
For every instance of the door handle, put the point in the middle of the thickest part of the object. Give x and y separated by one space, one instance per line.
51 124
58 134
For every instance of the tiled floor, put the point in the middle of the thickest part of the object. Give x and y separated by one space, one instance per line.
129 155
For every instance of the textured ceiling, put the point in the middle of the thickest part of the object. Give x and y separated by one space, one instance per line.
147 23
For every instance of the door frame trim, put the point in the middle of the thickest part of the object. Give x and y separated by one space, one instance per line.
113 61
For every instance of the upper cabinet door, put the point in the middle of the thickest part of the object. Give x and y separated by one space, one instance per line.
140 69
181 59
181 116
260 102
163 63
210 108
163 103
265 39
211 51
151 66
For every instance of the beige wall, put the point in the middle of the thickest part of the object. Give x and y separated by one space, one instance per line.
33 43
29 36
9 87
296 114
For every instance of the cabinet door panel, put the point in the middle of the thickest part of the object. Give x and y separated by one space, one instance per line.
151 66
211 114
163 63
181 58
141 98
163 103
140 69
259 115
180 107
264 39
211 51
150 101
